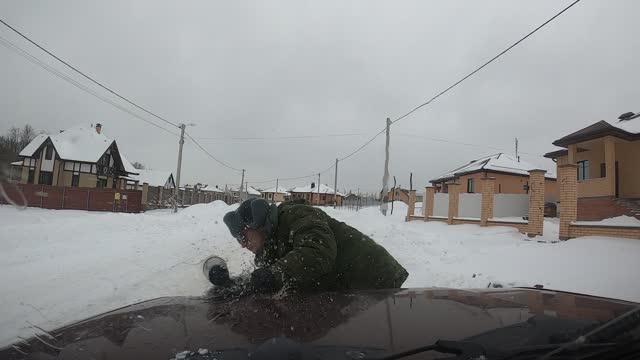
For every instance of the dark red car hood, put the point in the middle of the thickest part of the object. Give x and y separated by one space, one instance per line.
353 325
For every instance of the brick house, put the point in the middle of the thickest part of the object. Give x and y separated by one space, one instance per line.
311 193
279 194
80 156
511 176
606 154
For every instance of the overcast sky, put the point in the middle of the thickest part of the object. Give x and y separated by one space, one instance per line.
289 68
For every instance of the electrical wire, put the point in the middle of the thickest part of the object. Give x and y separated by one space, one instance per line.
17 50
363 145
87 76
464 143
280 137
486 63
209 154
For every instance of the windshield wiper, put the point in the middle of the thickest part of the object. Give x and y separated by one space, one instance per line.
587 345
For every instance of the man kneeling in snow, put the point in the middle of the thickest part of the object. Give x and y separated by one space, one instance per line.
299 247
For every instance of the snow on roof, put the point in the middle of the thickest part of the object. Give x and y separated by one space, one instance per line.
324 189
212 189
34 145
497 162
152 177
78 143
252 191
127 165
280 190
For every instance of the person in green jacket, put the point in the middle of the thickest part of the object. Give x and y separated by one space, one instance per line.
300 248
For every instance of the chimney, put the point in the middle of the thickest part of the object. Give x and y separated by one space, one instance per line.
313 185
98 128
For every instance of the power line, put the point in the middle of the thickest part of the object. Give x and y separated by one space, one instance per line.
17 50
280 137
363 146
211 156
485 64
463 143
87 76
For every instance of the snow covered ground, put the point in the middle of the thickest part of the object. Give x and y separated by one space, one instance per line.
57 267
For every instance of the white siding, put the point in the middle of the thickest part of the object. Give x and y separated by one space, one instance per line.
509 205
469 205
440 204
47 165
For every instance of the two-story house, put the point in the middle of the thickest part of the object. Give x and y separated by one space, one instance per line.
80 156
607 155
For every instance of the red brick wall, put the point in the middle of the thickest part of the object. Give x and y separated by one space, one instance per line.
598 208
594 230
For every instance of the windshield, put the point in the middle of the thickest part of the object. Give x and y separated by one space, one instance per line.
233 150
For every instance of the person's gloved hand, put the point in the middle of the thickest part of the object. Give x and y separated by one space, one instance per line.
263 280
219 275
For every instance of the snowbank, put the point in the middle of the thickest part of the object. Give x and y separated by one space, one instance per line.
623 220
59 266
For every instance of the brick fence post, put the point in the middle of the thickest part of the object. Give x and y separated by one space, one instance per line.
145 195
536 202
412 205
454 190
568 179
486 207
427 202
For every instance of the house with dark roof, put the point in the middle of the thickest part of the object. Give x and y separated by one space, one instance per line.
81 156
607 155
511 174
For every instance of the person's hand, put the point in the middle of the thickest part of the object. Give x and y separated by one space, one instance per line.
263 280
219 275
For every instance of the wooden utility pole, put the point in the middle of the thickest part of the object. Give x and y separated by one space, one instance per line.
240 187
385 176
318 189
335 187
276 193
177 188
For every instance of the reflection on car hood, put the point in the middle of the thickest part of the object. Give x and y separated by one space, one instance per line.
334 324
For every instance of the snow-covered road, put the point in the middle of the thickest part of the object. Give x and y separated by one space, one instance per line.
61 266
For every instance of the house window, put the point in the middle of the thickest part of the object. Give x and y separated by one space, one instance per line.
101 183
583 170
470 185
603 170
48 155
46 178
75 180
32 174
499 188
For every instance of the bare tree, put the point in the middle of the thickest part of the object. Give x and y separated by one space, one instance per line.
138 165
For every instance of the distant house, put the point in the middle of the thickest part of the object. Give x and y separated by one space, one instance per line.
400 194
311 193
278 195
607 155
80 156
155 178
510 173
249 192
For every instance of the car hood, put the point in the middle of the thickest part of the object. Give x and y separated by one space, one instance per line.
334 325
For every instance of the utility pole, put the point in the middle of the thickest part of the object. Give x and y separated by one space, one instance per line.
177 188
335 187
318 189
517 157
276 193
385 176
240 187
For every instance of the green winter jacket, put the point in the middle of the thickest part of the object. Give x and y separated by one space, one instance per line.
309 250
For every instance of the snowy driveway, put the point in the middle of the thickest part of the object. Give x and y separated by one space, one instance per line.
61 266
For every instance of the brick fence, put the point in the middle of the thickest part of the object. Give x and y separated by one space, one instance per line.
532 227
58 197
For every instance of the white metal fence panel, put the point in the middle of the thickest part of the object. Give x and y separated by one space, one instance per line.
509 205
440 204
469 205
